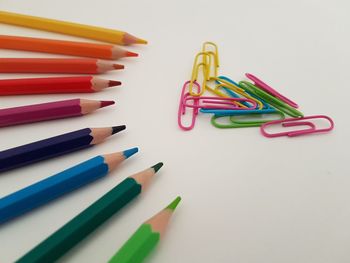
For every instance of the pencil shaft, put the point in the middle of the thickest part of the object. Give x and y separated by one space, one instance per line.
136 249
40 112
81 84
45 149
54 65
49 111
74 48
83 224
51 188
68 28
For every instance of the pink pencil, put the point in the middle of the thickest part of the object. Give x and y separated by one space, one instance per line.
49 111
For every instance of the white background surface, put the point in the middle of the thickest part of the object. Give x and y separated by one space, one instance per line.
246 198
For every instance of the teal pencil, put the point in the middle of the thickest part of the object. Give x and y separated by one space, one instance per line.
88 220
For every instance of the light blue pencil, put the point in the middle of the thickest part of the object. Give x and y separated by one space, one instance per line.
59 184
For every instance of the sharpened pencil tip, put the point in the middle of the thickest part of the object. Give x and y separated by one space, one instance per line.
131 54
172 206
157 166
130 39
113 83
130 152
116 129
118 66
105 103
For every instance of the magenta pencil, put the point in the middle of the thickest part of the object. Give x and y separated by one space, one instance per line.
49 111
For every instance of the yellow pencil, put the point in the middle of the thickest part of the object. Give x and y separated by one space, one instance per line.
69 28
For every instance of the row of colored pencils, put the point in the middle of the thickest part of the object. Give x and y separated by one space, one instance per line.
33 196
62 183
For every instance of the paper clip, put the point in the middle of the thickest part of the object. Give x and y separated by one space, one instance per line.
233 94
205 64
265 105
182 107
209 102
259 83
229 86
215 55
236 123
217 92
237 112
276 103
294 122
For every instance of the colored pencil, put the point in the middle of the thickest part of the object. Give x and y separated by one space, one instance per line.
50 111
81 84
91 218
73 48
54 146
47 190
146 237
69 28
56 65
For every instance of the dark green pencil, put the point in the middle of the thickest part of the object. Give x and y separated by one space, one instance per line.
88 220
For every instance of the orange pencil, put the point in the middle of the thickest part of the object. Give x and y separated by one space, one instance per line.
56 65
73 48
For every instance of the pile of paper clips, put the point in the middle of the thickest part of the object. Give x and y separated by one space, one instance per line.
242 104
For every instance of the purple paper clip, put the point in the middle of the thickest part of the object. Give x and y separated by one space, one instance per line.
259 83
293 122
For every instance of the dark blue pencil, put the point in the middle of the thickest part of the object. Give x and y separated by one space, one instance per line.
59 184
54 146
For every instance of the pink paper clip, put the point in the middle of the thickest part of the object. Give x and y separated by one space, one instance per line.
219 103
293 122
182 106
259 83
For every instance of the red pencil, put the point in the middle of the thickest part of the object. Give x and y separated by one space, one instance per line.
84 84
56 65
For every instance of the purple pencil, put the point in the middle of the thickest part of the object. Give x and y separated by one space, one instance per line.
49 111
54 146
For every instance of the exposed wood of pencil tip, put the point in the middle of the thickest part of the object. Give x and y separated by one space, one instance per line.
105 66
100 134
129 39
160 221
113 159
98 84
88 106
144 177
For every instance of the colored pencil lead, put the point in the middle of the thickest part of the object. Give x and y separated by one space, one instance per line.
105 103
118 66
131 54
157 166
113 83
172 206
116 129
130 152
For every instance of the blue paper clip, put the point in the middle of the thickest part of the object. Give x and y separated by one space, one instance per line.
233 94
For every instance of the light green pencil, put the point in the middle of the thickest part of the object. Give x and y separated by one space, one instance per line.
146 237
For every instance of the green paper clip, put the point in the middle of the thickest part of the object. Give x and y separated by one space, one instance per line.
237 123
276 103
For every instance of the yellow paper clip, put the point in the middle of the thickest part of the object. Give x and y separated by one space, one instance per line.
205 65
212 53
228 85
